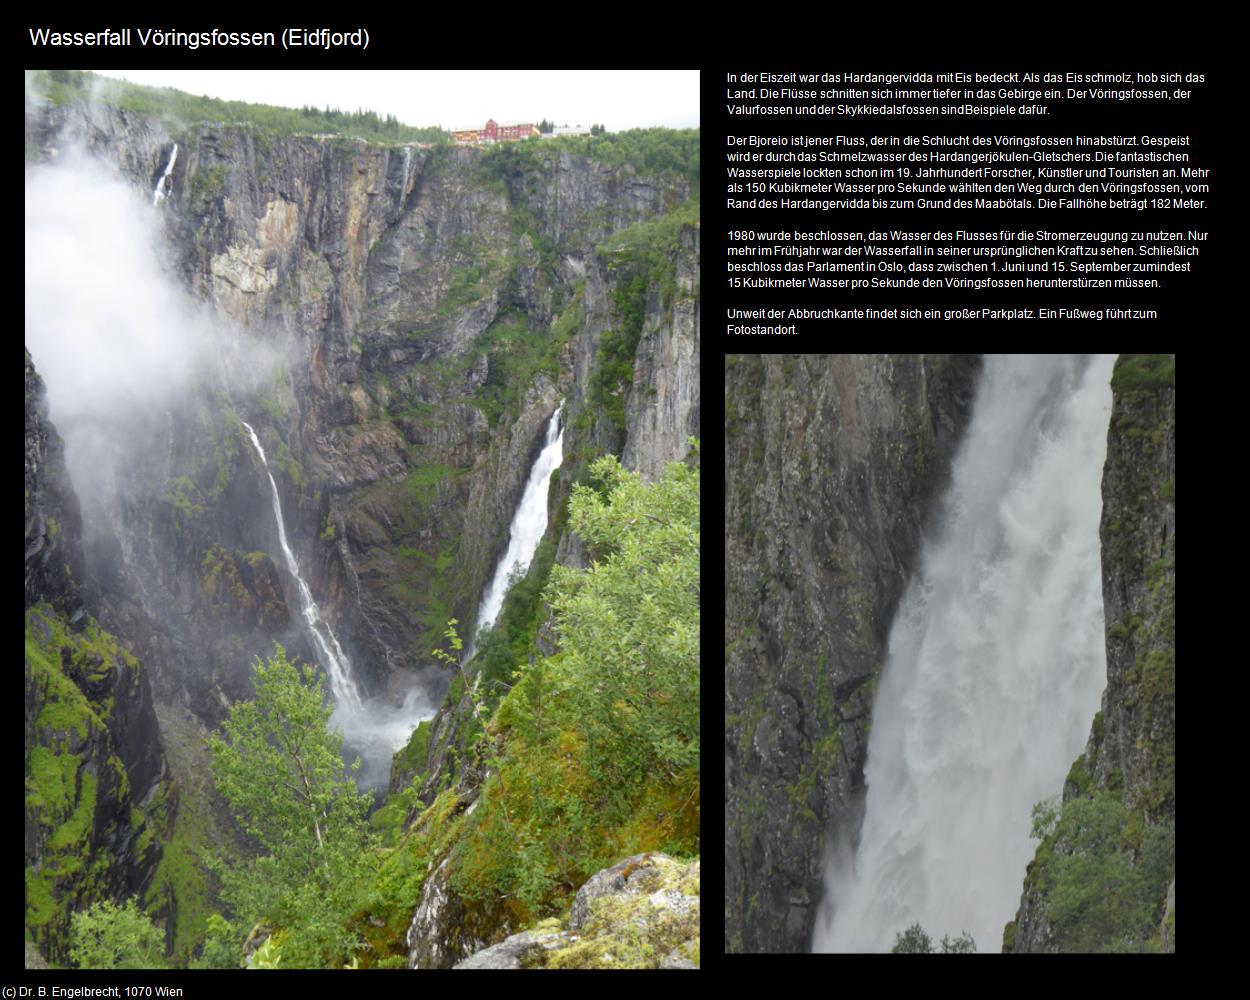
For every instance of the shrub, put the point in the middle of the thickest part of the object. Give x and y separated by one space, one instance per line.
107 936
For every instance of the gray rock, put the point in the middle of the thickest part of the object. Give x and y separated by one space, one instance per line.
833 465
34 960
1167 929
622 917
437 937
662 411
512 952
605 883
679 958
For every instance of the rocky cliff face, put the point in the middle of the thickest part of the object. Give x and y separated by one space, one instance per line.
833 464
404 320
662 412
1116 822
52 518
96 793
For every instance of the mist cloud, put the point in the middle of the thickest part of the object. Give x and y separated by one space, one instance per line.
107 327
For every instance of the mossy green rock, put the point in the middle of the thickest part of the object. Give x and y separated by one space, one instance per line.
642 913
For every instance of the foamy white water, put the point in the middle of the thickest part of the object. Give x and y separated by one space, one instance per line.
338 666
158 195
995 666
373 729
528 523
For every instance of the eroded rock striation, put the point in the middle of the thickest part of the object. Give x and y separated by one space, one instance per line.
833 465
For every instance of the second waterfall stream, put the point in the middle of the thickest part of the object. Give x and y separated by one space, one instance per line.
527 528
995 666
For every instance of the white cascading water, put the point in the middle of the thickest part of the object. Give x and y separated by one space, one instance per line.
158 195
373 729
995 667
528 524
337 665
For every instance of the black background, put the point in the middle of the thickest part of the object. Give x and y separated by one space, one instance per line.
724 42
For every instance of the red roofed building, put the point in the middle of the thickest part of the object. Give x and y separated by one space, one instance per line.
494 132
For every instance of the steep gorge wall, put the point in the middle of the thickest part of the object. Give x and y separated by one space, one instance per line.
1113 838
426 309
97 797
833 465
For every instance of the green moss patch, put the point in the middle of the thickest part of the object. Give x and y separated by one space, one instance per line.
657 915
1143 372
68 751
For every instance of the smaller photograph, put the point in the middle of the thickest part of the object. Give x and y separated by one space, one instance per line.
950 653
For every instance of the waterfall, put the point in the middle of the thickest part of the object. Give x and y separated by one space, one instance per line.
338 666
528 524
158 195
372 729
995 666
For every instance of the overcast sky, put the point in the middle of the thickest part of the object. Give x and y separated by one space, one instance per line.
618 99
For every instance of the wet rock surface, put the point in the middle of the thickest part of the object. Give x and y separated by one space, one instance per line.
833 465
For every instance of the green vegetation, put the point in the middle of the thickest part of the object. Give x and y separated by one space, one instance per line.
642 258
1105 874
180 109
590 754
1136 373
207 185
517 353
415 753
206 474
106 936
181 877
1045 817
1142 383
501 650
70 765
914 940
72 832
650 151
630 622
629 931
464 288
280 770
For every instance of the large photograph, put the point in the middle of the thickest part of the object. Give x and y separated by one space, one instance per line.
362 520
